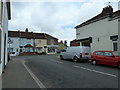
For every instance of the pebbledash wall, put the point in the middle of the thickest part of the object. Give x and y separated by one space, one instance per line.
5 16
103 32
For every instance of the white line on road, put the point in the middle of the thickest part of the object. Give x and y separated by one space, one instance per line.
95 71
39 83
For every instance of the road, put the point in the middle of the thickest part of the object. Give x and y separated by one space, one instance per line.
56 73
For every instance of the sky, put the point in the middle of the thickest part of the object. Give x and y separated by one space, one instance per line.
56 18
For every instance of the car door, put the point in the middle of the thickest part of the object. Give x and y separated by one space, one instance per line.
99 57
109 58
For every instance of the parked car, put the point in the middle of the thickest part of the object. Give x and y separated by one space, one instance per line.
106 57
78 53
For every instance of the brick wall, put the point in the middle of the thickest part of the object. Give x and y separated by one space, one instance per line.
72 43
55 42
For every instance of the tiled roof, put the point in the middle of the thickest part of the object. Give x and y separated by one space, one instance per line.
31 35
28 45
106 12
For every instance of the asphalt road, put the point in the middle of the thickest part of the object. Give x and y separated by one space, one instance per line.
56 73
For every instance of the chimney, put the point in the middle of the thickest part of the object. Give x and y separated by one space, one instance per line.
26 30
107 10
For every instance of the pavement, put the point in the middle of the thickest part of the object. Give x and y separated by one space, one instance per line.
16 76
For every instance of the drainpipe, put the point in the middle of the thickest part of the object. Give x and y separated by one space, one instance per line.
119 44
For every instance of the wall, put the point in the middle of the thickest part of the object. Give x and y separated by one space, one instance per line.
15 45
102 29
50 40
4 34
25 41
40 43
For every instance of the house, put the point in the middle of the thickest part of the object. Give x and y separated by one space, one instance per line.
39 45
52 44
61 46
5 15
29 42
99 32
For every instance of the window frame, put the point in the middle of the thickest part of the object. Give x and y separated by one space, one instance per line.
113 45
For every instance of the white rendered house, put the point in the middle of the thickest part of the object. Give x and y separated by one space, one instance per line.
4 17
99 32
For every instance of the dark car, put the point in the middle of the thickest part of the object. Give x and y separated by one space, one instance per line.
111 58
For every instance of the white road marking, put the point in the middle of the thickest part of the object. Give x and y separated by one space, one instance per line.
95 71
55 61
39 83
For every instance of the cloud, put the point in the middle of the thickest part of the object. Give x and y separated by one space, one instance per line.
55 18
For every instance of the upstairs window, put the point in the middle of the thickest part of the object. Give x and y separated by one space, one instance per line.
39 41
52 42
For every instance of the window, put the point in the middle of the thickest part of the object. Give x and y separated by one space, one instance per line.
39 49
51 50
99 53
115 46
39 41
52 42
107 54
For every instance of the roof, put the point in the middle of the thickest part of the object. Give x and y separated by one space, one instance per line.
78 40
28 45
106 12
30 35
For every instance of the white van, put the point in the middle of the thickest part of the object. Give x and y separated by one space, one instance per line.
76 53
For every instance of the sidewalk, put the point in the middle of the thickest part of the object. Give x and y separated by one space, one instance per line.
16 76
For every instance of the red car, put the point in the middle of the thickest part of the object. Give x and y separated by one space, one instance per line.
111 58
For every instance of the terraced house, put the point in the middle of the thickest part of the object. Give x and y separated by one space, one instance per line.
5 15
21 42
99 32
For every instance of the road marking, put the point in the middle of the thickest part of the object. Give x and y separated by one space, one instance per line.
56 61
95 71
39 83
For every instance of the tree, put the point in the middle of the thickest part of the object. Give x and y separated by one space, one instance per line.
65 43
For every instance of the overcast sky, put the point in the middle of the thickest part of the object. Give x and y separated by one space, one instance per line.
55 18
